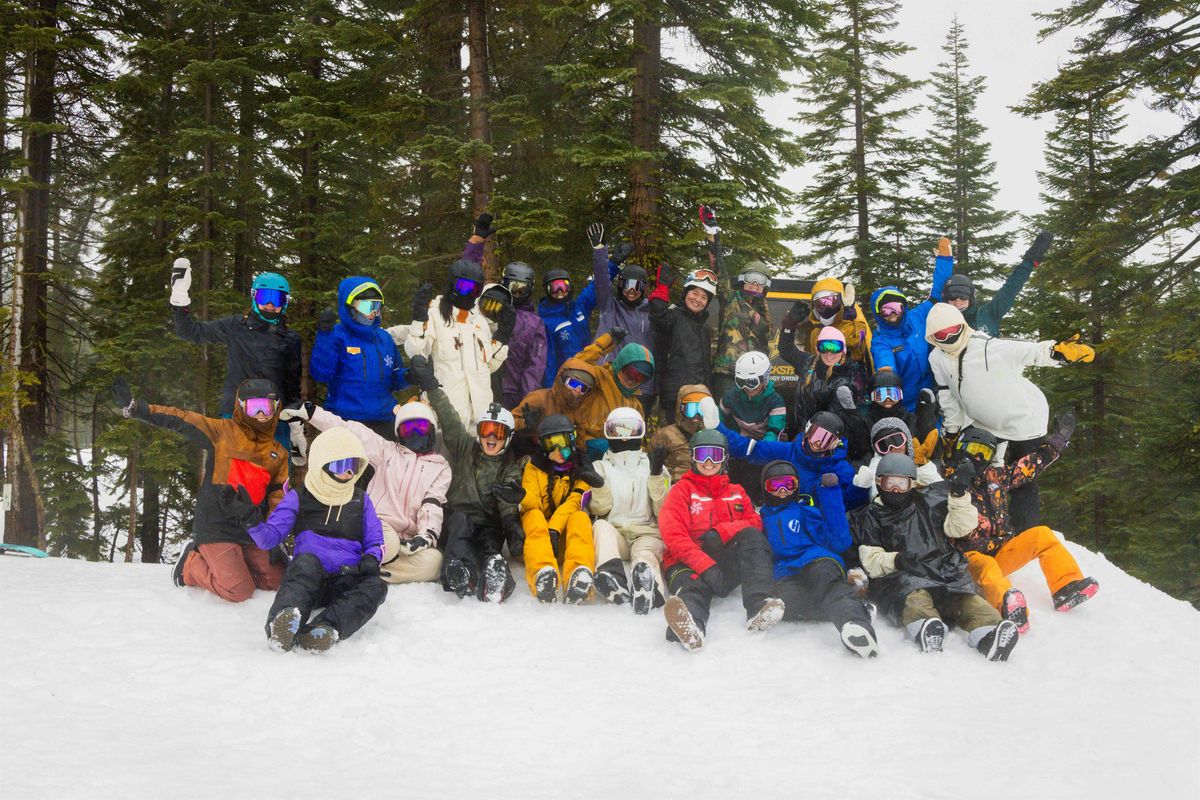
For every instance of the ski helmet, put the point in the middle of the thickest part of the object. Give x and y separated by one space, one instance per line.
497 421
557 275
755 272
777 476
494 300
886 377
367 298
466 283
416 426
624 429
632 276
709 445
703 278
752 370
270 288
244 407
977 444
519 278
889 295
895 477
824 432
556 433
958 287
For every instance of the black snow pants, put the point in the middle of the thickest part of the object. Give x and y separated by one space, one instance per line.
1024 503
348 601
745 559
819 593
472 546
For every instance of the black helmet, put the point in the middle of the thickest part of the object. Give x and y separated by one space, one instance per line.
779 469
886 378
829 421
556 433
555 423
631 277
985 445
709 438
466 283
522 275
633 272
958 287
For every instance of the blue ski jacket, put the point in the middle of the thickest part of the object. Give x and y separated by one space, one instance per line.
567 329
800 534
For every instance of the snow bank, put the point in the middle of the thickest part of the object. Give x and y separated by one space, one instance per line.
114 683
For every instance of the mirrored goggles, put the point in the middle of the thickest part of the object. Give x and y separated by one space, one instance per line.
710 453
703 275
576 385
624 429
634 374
340 466
560 285
270 297
827 301
821 439
749 384
830 346
368 307
979 450
633 285
690 410
519 288
558 441
948 335
895 483
782 483
258 405
467 287
492 428
414 427
883 393
896 440
893 307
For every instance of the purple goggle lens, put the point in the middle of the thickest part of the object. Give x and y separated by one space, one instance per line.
467 287
894 307
884 393
821 439
414 427
711 453
560 285
258 405
782 483
270 297
342 465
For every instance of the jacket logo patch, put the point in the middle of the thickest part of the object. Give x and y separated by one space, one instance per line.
388 361
353 350
274 454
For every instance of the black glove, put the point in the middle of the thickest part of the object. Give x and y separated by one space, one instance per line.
300 413
512 492
483 226
368 565
238 506
1060 436
508 321
122 394
711 544
621 252
666 276
714 580
905 562
963 477
595 233
327 320
532 417
618 336
515 535
585 471
421 300
420 372
421 541
658 459
795 315
829 480
1037 250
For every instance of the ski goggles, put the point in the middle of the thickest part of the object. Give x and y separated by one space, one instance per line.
979 450
827 300
368 307
340 466
576 385
897 440
636 373
624 429
690 410
713 454
414 427
633 285
891 308
821 439
895 483
558 441
519 288
830 346
882 394
948 335
492 428
559 285
749 384
467 287
956 293
270 297
253 406
756 279
782 483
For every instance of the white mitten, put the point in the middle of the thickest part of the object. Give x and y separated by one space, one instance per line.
848 295
181 282
709 413
864 477
299 450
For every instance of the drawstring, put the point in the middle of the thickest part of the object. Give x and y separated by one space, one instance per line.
327 510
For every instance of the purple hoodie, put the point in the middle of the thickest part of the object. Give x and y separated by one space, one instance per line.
333 552
616 313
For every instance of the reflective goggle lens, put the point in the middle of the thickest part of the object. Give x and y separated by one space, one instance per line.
827 301
948 334
270 297
632 373
624 429
467 287
980 450
956 293
556 441
342 465
708 453
414 427
492 428
560 285
895 483
893 441
690 410
821 439
830 346
576 385
519 287
894 307
634 285
258 405
368 307
747 383
883 393
782 483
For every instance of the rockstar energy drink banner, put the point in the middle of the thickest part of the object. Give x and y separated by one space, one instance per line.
783 295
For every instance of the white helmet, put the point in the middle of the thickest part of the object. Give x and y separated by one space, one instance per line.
414 409
624 424
417 441
499 414
751 369
704 279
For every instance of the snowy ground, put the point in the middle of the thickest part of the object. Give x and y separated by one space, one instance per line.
114 683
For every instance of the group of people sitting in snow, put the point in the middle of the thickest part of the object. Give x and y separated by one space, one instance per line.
903 481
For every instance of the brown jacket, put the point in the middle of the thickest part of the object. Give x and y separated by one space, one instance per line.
676 437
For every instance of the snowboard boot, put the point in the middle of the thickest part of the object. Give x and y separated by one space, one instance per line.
177 573
579 586
1074 593
859 640
610 583
457 577
999 644
646 594
281 630
318 638
545 584
932 635
681 627
1013 607
769 613
498 582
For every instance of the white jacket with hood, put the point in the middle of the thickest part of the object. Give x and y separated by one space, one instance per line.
630 498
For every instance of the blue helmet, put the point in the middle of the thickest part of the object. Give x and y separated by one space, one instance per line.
270 281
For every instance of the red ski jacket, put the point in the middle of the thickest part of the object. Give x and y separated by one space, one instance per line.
697 504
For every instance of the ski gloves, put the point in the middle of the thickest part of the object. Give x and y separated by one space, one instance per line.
421 301
238 507
829 480
709 412
508 322
123 396
943 247
620 253
1071 350
181 282
418 543
301 413
845 398
1037 250
595 234
367 566
512 492
1064 426
327 320
708 220
963 477
483 226
658 459
420 372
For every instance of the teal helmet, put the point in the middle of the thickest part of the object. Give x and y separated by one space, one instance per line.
275 290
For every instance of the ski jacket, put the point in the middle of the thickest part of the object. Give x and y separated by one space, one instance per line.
360 364
902 347
238 452
473 473
695 505
549 494
616 313
408 490
566 322
684 344
800 534
917 528
254 348
987 316
525 367
922 426
927 475
675 437
851 322
989 528
983 382
763 416
816 390
339 536
631 497
745 326
809 467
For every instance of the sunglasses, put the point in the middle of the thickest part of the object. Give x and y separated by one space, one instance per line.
633 285
368 307
622 429
821 439
414 427
979 449
340 466
711 453
576 385
895 483
782 483
492 428
270 297
895 307
884 393
633 374
690 409
258 405
560 285
897 440
830 346
948 335
467 287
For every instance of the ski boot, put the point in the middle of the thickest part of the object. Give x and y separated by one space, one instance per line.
769 613
545 584
1074 593
498 582
177 572
681 627
999 644
281 630
859 640
458 579
932 635
610 582
1013 607
318 638
646 594
579 586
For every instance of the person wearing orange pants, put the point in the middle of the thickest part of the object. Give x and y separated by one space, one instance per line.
989 572
555 525
232 571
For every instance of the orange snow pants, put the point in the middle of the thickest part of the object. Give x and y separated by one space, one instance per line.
579 549
1058 566
231 570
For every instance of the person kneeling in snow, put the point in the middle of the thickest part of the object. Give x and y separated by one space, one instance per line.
408 486
339 543
626 507
917 575
714 542
984 533
807 541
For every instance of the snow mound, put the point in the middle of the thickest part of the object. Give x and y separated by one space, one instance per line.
114 683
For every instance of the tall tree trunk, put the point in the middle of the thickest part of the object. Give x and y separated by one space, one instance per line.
441 32
310 187
863 235
477 76
645 191
148 524
244 237
133 503
207 205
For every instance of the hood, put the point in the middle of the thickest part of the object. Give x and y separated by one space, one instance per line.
330 445
891 424
345 289
684 391
944 315
562 396
256 387
879 321
826 285
631 353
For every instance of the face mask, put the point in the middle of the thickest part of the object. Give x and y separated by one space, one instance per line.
895 501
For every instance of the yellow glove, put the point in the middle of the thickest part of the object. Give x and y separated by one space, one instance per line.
1071 350
943 247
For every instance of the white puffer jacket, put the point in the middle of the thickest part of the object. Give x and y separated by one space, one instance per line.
630 499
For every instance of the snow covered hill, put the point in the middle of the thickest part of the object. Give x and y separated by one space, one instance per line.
114 683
